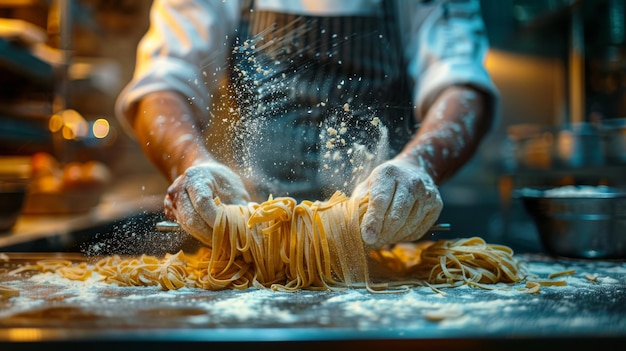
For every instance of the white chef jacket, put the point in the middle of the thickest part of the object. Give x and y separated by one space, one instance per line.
186 46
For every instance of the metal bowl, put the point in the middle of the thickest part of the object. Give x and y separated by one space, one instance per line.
579 221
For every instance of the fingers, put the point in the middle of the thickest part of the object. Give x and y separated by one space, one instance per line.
179 205
234 195
422 217
196 226
403 204
400 212
381 197
202 201
171 199
168 204
226 185
191 197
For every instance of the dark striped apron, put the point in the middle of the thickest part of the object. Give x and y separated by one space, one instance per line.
299 80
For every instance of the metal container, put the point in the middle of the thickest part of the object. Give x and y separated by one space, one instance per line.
614 133
579 222
580 145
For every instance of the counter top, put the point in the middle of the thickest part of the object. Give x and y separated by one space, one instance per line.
588 311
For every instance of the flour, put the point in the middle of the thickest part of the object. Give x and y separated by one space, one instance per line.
285 144
615 268
569 191
73 291
353 146
419 309
608 280
134 237
250 305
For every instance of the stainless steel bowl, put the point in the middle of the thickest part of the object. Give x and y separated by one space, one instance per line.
579 222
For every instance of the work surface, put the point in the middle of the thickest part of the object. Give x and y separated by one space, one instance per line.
591 306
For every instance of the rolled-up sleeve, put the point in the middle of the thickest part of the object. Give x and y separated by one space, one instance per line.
184 50
445 44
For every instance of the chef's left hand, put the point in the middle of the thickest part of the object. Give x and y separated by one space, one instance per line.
404 203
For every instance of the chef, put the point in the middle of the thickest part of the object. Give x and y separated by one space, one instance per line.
371 97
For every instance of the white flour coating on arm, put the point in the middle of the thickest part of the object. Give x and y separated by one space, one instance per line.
467 97
184 138
160 119
440 111
452 132
424 163
184 118
429 148
469 120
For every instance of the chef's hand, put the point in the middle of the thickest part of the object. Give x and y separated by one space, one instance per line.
404 203
190 198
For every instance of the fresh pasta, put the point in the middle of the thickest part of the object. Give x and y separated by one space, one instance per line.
450 263
7 292
287 246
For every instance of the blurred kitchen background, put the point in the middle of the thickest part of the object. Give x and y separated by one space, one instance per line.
560 66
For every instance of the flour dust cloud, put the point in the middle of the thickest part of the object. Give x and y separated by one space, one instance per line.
284 144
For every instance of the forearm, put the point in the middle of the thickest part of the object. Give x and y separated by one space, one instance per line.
450 132
169 134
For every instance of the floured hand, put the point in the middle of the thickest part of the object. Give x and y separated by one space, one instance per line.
404 203
190 198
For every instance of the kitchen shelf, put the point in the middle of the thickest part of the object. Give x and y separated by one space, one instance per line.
18 66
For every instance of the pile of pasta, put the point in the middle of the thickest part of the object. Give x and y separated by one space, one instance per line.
288 246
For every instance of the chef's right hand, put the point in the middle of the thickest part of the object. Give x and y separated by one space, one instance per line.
190 198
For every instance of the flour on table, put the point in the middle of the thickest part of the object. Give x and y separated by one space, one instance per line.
420 308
